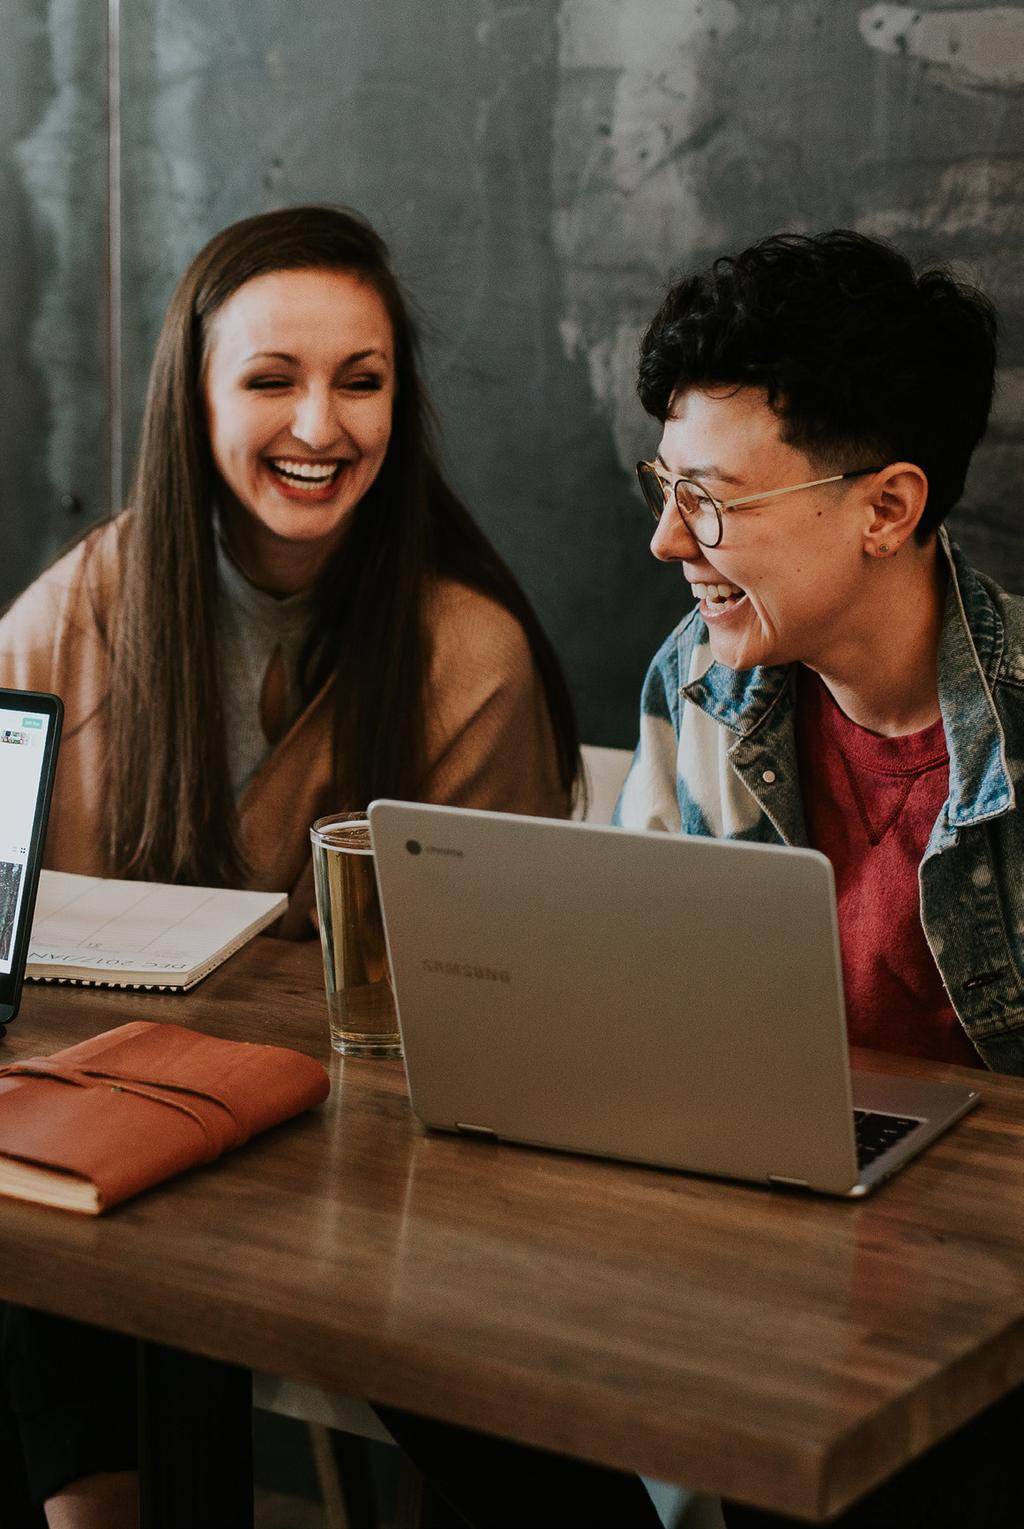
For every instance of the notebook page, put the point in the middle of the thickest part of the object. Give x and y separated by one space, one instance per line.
112 928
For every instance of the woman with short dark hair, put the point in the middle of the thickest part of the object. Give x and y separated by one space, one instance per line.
847 680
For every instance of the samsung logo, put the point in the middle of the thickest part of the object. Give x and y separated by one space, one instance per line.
464 969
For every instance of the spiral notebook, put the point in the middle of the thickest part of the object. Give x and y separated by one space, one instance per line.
139 934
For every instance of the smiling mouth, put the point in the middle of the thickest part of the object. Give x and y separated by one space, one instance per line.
307 477
717 597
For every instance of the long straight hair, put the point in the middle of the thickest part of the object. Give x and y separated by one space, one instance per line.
171 810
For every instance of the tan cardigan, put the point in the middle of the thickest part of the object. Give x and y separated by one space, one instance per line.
489 738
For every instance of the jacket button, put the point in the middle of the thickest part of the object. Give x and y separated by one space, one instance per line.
768 776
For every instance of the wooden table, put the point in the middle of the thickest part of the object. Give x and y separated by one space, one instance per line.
790 1351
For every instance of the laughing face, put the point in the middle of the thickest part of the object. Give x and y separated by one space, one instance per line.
298 384
784 584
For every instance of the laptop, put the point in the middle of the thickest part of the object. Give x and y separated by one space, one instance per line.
30 724
659 998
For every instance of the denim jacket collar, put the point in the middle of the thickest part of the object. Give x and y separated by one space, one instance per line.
970 652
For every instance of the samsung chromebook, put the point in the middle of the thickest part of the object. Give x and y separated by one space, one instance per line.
29 737
648 996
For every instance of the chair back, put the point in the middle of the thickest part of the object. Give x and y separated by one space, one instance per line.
604 771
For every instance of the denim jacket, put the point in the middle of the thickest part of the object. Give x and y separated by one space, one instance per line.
717 756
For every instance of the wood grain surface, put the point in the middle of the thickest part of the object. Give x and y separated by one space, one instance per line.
784 1349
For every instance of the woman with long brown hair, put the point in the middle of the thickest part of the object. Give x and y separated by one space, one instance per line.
296 614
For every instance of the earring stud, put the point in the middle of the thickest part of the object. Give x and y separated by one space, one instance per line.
883 548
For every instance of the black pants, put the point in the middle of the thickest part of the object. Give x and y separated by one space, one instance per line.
67 1406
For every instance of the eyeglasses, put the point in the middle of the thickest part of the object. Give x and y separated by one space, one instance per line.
700 511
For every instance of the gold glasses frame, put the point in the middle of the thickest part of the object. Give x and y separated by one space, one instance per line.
652 481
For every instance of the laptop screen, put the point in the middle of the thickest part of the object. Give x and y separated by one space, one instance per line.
29 729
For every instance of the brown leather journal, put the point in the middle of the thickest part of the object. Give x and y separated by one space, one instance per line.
100 1121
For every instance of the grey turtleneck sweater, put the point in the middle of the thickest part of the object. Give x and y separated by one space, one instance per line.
251 627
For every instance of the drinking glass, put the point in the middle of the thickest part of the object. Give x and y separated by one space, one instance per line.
360 1004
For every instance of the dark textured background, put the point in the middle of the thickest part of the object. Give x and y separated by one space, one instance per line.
539 169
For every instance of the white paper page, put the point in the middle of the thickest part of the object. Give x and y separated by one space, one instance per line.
111 926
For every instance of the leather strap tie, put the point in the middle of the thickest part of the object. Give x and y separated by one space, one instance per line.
144 1088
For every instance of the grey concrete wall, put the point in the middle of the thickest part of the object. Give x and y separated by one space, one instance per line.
538 169
53 304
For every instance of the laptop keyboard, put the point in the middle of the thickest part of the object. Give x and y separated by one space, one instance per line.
875 1133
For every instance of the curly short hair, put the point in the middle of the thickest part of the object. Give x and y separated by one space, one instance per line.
862 358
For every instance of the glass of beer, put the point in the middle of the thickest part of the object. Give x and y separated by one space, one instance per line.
360 1004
